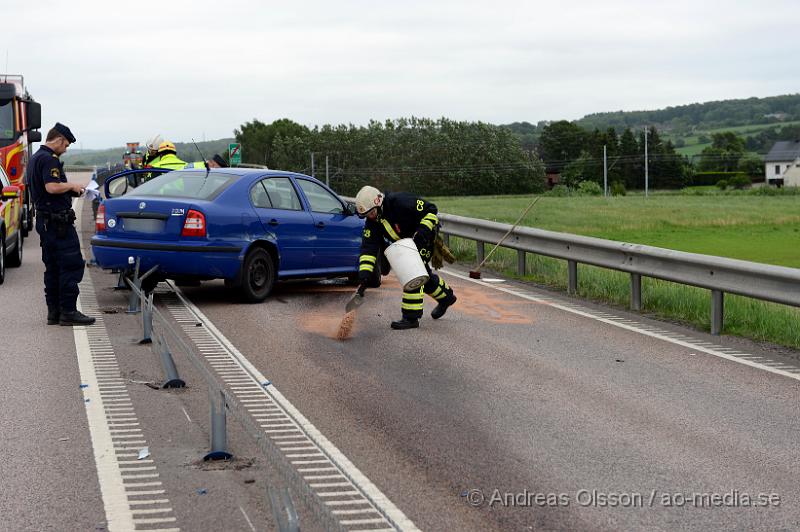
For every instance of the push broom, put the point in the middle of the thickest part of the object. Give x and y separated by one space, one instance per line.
476 273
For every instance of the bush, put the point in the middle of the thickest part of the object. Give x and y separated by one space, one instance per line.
589 188
722 184
559 191
739 182
711 178
618 188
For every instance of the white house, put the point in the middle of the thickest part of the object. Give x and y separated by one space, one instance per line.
783 164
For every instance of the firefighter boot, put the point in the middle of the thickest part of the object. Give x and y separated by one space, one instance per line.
441 308
75 318
52 316
405 323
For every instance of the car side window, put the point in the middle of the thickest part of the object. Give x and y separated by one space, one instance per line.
319 198
282 194
259 197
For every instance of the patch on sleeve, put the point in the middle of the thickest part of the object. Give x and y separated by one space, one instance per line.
367 233
55 174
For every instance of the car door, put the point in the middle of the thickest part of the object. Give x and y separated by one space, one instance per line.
281 212
337 232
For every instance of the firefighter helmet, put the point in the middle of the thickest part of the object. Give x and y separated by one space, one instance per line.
152 144
166 147
368 198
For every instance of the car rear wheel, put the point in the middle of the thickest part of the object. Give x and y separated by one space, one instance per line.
258 276
2 258
15 259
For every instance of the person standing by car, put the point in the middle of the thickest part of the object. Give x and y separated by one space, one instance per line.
61 252
390 217
215 162
167 157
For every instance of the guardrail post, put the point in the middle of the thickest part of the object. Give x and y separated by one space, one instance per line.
521 262
479 251
219 438
133 299
147 319
572 270
445 239
283 510
717 306
173 380
636 291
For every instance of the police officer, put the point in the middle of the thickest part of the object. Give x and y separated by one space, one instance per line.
390 217
61 252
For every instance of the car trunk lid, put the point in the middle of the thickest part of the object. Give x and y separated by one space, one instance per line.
145 218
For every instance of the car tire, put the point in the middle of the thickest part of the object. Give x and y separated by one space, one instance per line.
15 259
2 258
258 276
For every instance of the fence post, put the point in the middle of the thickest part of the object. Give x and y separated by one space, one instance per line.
283 509
636 291
717 308
479 251
173 379
219 438
572 284
147 319
521 262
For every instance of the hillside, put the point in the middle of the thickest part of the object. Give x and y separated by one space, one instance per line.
186 151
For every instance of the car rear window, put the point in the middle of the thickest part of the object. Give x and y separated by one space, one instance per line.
195 185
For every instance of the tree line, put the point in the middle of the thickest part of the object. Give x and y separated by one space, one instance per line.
430 157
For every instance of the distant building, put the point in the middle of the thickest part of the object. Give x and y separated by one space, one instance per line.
777 116
783 164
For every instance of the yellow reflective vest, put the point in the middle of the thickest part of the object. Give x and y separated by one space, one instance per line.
168 160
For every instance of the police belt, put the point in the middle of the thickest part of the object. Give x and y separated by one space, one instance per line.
66 217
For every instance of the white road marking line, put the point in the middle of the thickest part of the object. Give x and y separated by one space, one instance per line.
185 413
696 345
247 519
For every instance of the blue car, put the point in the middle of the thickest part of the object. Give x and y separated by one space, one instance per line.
250 227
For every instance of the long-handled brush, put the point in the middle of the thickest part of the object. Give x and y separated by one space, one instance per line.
346 327
476 273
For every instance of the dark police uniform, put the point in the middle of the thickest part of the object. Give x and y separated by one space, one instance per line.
61 251
403 215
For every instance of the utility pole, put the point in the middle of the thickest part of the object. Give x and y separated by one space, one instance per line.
605 172
312 164
327 178
646 176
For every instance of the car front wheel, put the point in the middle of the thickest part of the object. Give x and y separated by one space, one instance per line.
258 276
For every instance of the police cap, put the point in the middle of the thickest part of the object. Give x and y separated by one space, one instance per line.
219 160
64 130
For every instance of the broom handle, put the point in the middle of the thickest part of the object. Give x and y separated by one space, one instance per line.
508 232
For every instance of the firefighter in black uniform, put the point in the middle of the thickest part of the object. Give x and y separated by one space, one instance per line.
61 252
390 217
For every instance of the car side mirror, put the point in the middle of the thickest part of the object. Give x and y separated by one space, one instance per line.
10 192
34 136
350 208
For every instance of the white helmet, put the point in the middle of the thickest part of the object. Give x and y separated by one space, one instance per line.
152 144
368 198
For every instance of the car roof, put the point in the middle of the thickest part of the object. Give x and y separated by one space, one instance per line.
252 172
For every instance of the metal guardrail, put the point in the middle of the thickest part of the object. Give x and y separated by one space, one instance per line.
777 284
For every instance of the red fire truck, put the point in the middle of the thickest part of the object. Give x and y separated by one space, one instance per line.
19 117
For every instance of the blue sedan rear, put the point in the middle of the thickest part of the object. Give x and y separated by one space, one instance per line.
249 227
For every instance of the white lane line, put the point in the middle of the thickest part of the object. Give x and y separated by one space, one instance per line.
705 347
250 523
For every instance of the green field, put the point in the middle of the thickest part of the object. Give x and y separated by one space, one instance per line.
693 147
756 228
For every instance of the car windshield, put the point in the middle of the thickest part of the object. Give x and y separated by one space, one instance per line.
186 185
6 120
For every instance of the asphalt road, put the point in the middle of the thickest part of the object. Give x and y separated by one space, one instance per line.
507 414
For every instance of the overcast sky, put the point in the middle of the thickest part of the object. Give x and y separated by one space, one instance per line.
200 69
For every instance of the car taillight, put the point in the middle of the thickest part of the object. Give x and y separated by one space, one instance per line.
100 219
195 224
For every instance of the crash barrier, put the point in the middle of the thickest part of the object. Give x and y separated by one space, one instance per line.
221 402
721 275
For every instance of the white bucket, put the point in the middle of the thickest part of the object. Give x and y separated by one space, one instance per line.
404 258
